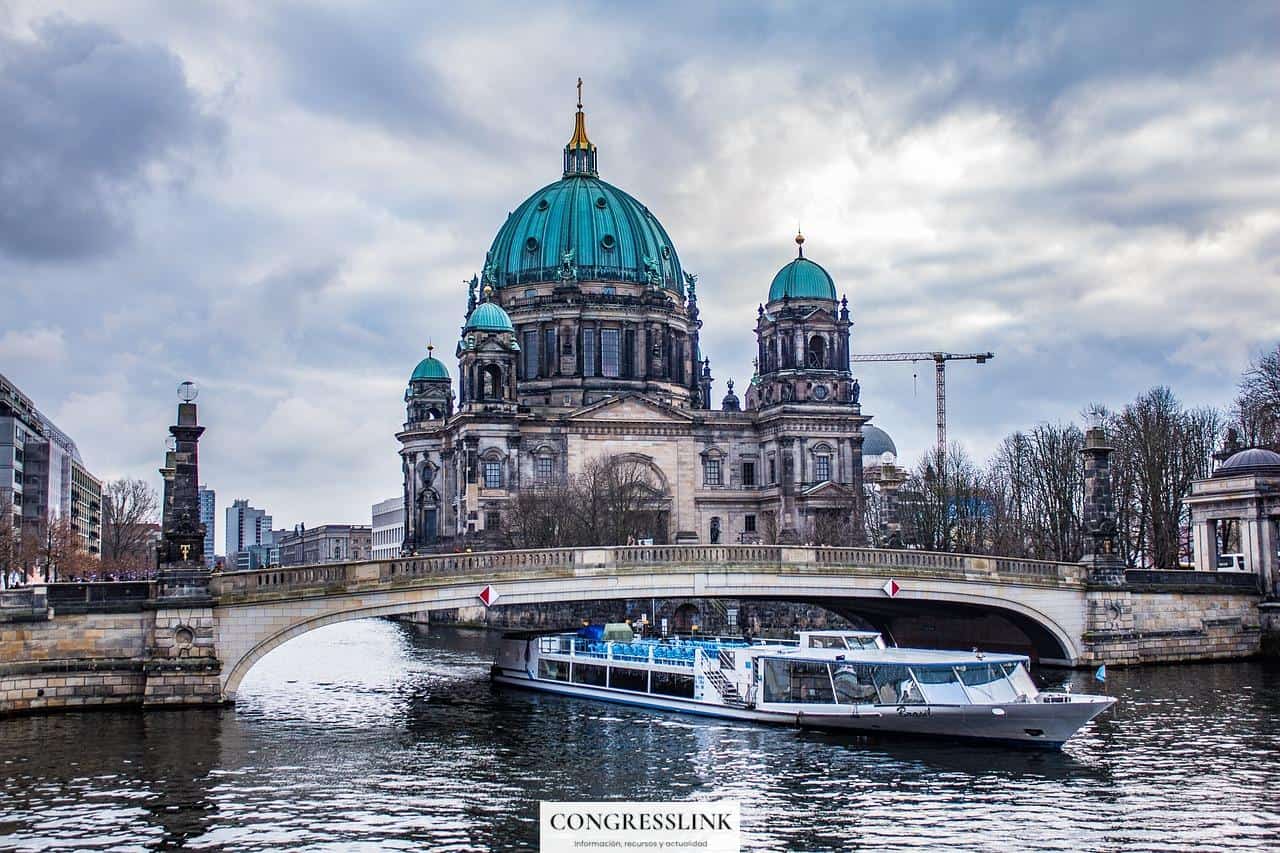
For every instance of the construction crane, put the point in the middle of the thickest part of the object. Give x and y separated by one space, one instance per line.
939 360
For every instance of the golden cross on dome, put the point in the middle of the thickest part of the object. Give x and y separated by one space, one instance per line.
579 93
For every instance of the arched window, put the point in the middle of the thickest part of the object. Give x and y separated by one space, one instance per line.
818 352
822 470
491 382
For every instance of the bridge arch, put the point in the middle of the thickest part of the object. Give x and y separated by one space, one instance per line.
253 625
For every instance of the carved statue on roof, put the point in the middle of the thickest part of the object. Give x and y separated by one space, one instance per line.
471 294
652 272
568 270
691 284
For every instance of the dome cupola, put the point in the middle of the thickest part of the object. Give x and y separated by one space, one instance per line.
1253 460
581 228
875 443
488 316
802 279
430 369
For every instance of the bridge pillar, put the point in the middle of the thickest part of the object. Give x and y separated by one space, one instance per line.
1109 611
1101 546
182 666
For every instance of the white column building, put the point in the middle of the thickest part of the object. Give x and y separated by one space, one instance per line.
388 528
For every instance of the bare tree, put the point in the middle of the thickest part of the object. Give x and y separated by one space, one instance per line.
542 517
1160 448
10 539
876 515
1256 412
1037 482
612 501
59 553
946 504
128 508
842 521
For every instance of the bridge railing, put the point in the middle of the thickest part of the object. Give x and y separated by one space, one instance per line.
643 557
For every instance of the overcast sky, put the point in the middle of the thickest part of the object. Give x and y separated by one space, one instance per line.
281 201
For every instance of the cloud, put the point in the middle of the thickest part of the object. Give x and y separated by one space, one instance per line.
89 122
1089 190
46 345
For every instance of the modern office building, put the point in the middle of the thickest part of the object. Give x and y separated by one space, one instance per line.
388 528
42 473
208 514
86 508
246 527
326 543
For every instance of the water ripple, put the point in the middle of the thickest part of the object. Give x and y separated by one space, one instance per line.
370 736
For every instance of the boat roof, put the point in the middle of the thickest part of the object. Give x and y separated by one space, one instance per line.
833 633
940 657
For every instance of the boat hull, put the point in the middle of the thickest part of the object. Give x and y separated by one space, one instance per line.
1030 724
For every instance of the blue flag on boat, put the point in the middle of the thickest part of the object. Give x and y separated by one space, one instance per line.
1101 674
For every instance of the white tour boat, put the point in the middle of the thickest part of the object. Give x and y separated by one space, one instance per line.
846 680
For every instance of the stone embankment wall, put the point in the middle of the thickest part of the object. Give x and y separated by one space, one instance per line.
78 660
1269 617
1135 626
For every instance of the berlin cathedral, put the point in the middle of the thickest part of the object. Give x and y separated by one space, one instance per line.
581 340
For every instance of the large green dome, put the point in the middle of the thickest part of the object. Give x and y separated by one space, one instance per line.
802 279
430 369
489 317
613 238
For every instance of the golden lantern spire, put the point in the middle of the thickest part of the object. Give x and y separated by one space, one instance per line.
580 142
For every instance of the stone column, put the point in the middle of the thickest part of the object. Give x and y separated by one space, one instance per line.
1101 552
183 667
1269 568
1204 546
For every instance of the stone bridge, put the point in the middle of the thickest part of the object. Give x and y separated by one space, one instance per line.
85 644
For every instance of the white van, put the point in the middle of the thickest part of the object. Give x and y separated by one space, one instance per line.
1231 563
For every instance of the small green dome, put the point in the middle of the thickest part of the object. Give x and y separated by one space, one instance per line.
430 369
489 317
802 279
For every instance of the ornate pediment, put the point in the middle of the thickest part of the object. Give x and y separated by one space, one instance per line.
827 489
631 408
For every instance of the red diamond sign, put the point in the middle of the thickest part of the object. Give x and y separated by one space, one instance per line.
488 595
891 588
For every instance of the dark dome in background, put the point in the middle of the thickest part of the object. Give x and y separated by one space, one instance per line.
1255 460
875 443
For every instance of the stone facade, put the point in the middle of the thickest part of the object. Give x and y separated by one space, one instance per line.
583 350
1129 627
1235 517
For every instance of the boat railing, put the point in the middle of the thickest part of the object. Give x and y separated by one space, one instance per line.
681 653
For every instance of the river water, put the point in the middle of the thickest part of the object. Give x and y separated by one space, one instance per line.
372 735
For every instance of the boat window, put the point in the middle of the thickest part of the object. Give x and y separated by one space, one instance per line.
626 678
557 670
895 686
555 645
940 685
588 673
797 681
987 682
1022 682
827 643
854 684
857 642
671 684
